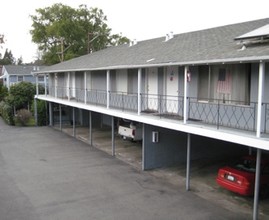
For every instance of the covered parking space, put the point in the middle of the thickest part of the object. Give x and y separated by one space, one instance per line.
98 130
154 153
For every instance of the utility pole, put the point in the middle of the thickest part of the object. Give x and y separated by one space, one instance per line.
91 38
62 49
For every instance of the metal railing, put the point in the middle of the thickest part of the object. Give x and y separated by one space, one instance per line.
96 97
162 105
231 114
123 101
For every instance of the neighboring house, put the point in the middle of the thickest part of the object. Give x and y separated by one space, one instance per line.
12 74
210 83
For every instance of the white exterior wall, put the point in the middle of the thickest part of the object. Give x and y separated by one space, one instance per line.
88 80
73 84
151 88
121 80
172 82
171 89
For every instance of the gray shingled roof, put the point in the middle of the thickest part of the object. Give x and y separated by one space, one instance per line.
20 69
215 45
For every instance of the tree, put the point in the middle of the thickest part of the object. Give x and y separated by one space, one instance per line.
3 92
20 61
63 33
21 95
8 58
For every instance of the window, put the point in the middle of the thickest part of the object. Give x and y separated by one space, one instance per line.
40 78
20 78
228 83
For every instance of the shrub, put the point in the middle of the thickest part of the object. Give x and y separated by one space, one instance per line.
41 112
6 112
23 116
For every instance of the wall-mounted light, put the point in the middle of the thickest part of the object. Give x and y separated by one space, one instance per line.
155 136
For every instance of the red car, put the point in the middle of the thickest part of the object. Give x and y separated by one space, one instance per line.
240 177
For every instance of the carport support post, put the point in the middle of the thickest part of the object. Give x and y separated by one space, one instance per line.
188 162
36 116
50 114
90 128
60 112
258 134
113 136
257 185
74 123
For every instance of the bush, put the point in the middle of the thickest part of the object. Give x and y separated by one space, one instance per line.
23 116
6 112
3 92
41 112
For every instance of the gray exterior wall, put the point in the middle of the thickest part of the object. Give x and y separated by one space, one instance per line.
171 150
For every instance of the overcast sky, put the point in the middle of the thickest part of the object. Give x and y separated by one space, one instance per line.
135 19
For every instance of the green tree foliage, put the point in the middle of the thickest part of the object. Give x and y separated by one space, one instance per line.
3 92
8 58
63 33
21 95
6 112
41 112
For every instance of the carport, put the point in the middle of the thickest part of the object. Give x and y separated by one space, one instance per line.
152 153
98 130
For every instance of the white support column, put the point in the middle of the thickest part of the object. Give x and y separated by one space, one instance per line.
35 101
139 91
186 91
260 98
258 134
107 88
68 86
56 84
45 80
188 162
36 86
85 87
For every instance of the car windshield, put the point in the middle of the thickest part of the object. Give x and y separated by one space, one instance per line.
246 165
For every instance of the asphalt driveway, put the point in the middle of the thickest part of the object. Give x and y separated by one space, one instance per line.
47 175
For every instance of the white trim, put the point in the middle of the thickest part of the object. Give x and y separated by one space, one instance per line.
206 131
168 63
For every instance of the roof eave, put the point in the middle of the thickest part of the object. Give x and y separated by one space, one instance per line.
172 63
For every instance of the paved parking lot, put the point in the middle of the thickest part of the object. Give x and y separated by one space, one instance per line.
203 171
46 174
